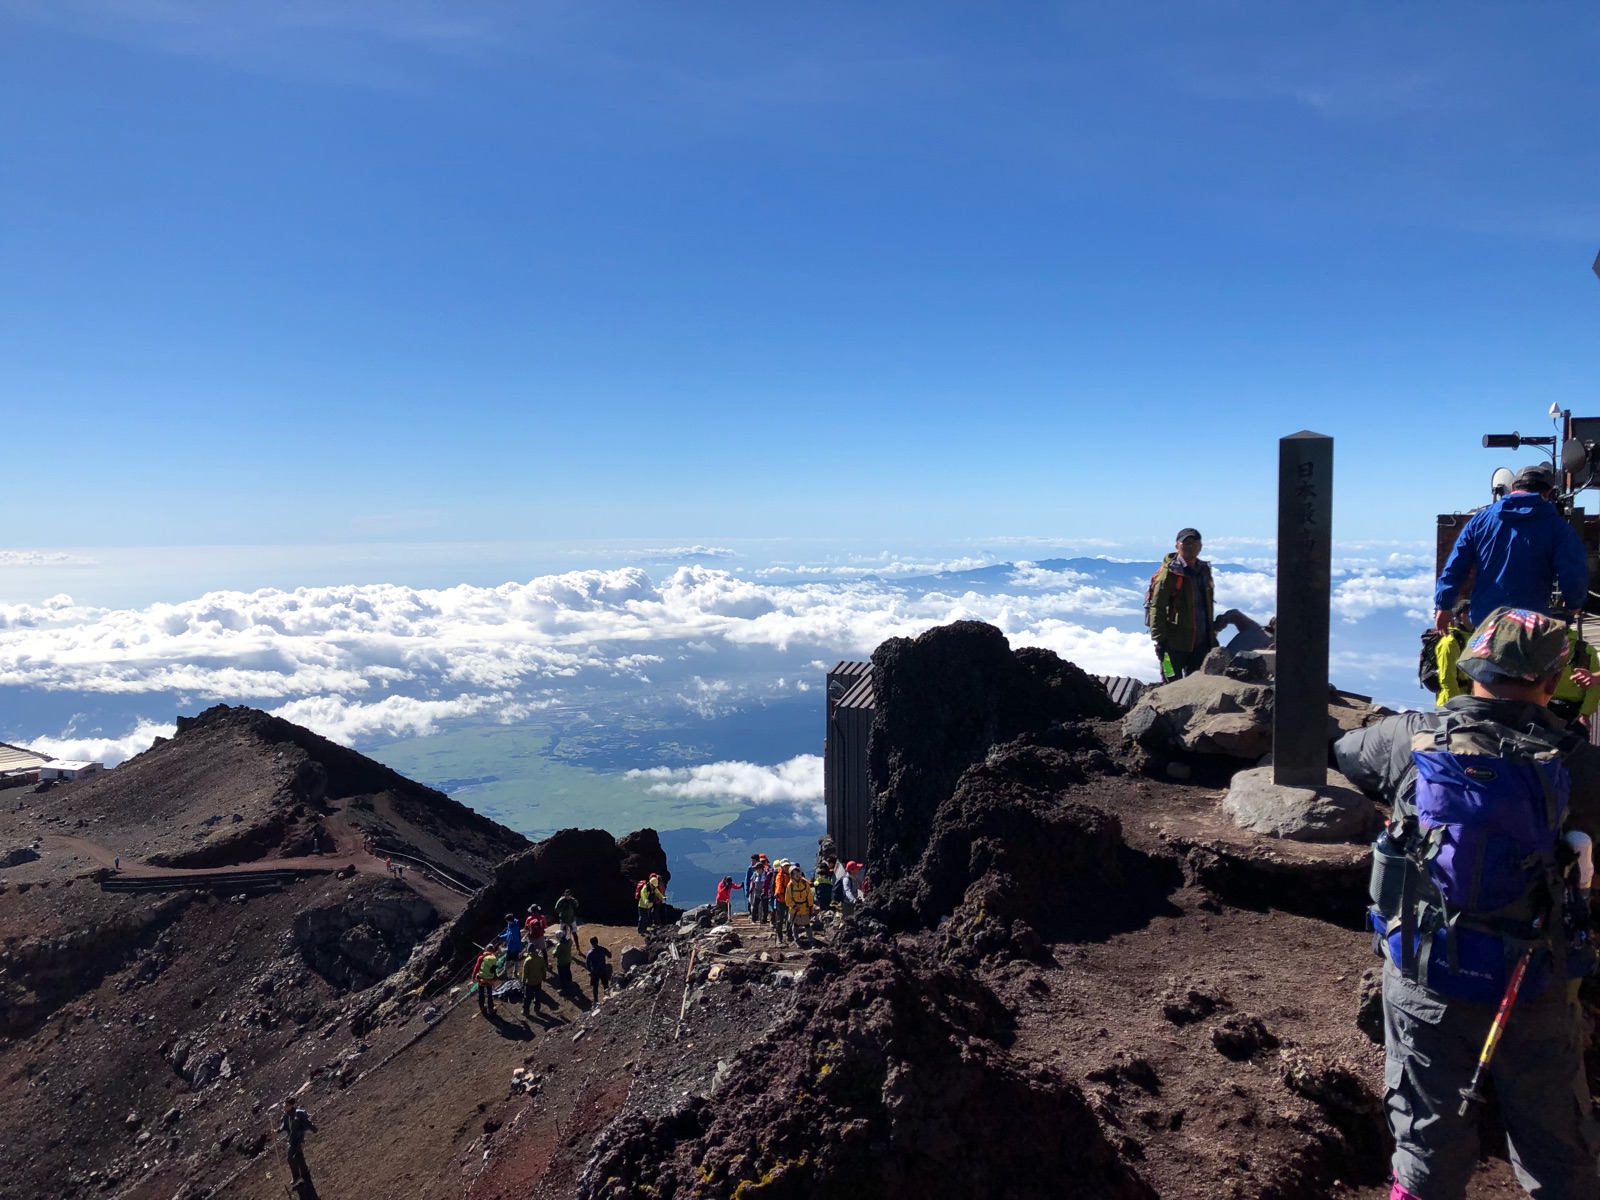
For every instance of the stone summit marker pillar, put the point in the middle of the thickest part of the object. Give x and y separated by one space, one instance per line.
1305 584
1294 798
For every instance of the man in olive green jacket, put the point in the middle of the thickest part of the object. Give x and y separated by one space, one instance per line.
1180 608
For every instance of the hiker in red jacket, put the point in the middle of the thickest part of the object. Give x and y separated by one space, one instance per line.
533 929
725 891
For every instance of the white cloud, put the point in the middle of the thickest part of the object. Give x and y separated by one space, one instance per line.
367 662
110 751
796 784
393 717
1368 592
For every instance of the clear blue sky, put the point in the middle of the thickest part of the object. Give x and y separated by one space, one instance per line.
332 270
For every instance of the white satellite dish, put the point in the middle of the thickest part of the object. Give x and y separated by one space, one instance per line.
1500 482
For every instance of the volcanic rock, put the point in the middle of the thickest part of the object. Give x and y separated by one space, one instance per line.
943 699
358 941
238 785
894 1085
1008 847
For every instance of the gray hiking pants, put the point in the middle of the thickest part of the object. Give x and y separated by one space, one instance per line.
1432 1043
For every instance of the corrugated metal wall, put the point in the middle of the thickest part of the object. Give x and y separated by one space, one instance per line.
849 715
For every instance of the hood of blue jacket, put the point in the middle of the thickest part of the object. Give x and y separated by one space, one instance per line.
1526 506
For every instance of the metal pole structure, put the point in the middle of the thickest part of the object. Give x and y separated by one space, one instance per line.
1305 579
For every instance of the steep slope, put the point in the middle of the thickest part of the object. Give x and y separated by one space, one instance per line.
153 1017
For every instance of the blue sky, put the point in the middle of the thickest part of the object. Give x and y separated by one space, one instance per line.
346 272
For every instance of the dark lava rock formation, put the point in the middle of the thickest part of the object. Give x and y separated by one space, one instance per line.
972 746
943 699
889 1079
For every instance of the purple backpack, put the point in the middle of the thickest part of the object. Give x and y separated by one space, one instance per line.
1486 884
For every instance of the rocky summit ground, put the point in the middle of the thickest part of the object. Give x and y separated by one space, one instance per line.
1074 978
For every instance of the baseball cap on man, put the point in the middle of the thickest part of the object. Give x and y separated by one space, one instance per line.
1185 534
1535 477
1515 643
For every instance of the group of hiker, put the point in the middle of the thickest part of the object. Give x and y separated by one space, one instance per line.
779 893
526 952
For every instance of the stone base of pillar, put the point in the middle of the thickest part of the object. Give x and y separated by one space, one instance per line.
1335 812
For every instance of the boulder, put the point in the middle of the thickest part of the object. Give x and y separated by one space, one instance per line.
1229 714
1337 812
633 956
1183 716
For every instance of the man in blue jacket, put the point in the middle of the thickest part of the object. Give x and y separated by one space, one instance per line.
1521 547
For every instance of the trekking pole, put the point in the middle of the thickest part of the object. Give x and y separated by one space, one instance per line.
1470 1094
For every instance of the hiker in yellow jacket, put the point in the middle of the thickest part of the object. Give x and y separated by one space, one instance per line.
801 900
1447 650
1578 694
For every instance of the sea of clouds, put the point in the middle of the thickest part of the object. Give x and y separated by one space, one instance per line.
368 664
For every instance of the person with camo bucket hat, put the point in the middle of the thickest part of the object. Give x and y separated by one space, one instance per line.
1480 913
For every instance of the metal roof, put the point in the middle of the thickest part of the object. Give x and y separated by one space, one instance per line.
71 764
1124 691
860 695
18 758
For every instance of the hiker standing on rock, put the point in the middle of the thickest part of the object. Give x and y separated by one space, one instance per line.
780 897
1474 897
292 1128
822 884
850 893
1448 679
799 900
512 937
1578 694
1179 608
761 892
567 913
533 930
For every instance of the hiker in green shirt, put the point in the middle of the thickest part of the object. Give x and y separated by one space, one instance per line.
567 914
563 961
